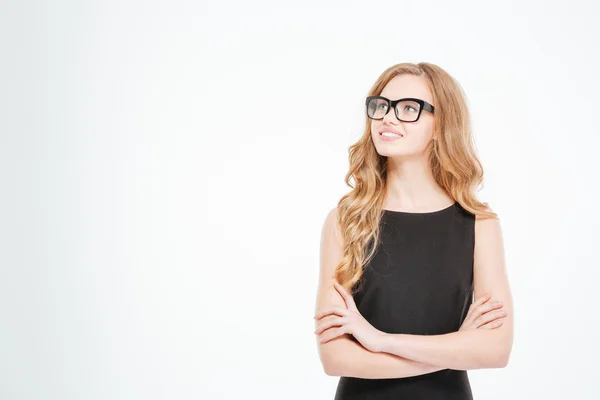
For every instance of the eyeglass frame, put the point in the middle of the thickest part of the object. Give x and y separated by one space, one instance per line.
392 104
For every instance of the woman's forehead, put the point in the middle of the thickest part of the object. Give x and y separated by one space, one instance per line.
407 86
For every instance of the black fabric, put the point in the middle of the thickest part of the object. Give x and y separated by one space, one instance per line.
420 281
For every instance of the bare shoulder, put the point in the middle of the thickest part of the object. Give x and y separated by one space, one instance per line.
487 227
331 243
331 254
489 244
331 230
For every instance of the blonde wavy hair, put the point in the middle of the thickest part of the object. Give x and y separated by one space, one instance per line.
452 158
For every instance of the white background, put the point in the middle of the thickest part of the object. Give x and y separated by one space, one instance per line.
166 168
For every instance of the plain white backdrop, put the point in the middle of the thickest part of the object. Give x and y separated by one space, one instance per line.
166 168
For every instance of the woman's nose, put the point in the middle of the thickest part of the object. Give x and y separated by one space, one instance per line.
390 117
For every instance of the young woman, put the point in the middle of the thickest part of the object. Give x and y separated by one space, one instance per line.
408 249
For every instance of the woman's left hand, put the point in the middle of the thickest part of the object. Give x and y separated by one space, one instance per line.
348 320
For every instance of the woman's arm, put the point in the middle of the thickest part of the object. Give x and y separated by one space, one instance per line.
343 356
471 349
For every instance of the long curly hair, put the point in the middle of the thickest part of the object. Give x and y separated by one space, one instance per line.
452 158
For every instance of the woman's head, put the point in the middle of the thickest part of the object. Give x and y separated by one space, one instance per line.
441 134
404 106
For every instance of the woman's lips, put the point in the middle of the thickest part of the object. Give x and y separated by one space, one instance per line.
389 138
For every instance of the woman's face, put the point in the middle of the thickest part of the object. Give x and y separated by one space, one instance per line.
416 135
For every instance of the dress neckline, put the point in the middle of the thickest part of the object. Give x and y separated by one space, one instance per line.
393 212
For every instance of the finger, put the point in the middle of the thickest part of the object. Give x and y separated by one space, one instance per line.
478 318
492 324
347 296
331 334
479 301
489 306
482 299
489 316
337 321
331 310
482 309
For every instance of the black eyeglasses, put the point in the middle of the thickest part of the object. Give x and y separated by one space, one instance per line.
407 109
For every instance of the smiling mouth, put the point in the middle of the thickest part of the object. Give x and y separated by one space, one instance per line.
391 135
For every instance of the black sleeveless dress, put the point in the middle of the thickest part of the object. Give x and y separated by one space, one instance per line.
420 282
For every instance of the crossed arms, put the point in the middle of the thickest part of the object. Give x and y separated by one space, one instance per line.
403 355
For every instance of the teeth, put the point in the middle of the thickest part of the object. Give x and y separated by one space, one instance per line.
390 134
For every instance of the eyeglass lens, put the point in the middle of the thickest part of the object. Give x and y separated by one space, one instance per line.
406 110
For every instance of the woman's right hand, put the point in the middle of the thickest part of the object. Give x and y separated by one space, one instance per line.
484 314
